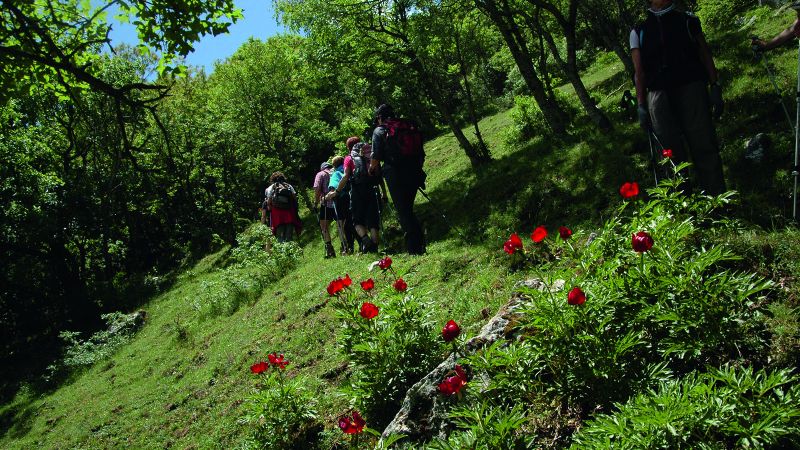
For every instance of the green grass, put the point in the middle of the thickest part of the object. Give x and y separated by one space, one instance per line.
181 380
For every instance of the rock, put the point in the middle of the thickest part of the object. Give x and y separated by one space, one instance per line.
128 323
424 411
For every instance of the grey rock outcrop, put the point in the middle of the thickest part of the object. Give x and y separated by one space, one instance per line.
423 412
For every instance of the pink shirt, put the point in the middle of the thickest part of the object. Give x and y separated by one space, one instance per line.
349 165
321 181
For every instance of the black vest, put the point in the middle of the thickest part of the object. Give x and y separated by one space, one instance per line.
670 54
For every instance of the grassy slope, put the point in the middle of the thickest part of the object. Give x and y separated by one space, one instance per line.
161 390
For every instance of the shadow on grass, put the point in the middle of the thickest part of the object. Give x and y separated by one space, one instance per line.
544 182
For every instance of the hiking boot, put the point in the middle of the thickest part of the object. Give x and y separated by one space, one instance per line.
367 246
329 251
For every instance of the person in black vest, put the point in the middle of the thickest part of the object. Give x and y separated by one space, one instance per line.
673 68
397 143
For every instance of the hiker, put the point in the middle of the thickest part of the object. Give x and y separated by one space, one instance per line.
397 143
673 67
784 36
326 213
282 203
364 201
341 204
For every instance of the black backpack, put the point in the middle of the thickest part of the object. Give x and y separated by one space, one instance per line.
281 196
360 173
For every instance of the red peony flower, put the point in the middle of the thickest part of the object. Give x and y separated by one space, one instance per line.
641 242
346 281
259 367
576 296
400 285
666 153
539 234
335 286
629 190
450 331
277 361
385 263
564 232
453 384
368 285
352 425
513 244
368 310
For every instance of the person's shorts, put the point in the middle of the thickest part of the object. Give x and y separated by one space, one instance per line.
326 213
364 206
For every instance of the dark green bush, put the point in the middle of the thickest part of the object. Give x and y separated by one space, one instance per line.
725 408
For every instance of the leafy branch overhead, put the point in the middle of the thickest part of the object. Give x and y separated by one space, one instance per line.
56 45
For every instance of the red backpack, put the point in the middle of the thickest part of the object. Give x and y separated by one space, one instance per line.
403 138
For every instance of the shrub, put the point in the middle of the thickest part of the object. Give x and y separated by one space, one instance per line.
721 15
485 428
102 344
249 270
389 349
282 413
725 408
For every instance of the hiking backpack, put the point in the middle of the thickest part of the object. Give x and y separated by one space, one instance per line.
281 196
404 139
360 173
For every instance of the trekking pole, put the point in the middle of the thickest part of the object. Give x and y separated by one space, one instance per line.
795 167
653 159
762 56
342 237
446 220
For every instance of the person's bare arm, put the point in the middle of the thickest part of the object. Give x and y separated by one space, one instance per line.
782 38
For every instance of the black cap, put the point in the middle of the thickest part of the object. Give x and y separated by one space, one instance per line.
384 111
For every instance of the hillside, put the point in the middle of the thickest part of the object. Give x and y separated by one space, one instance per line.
183 380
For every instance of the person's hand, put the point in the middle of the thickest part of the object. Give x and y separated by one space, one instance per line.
757 45
717 104
644 117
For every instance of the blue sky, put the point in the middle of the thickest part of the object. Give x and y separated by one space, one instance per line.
259 22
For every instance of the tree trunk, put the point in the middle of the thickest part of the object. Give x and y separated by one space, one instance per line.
553 114
570 68
482 152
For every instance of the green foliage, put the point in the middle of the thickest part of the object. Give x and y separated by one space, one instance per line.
527 118
282 413
100 345
388 353
486 428
726 408
250 269
722 15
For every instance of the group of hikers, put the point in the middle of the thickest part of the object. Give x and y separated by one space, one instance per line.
350 190
677 90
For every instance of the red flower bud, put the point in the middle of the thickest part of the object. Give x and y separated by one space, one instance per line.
539 234
641 242
368 310
513 244
564 232
576 296
385 263
400 285
629 190
368 285
666 153
450 331
277 361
